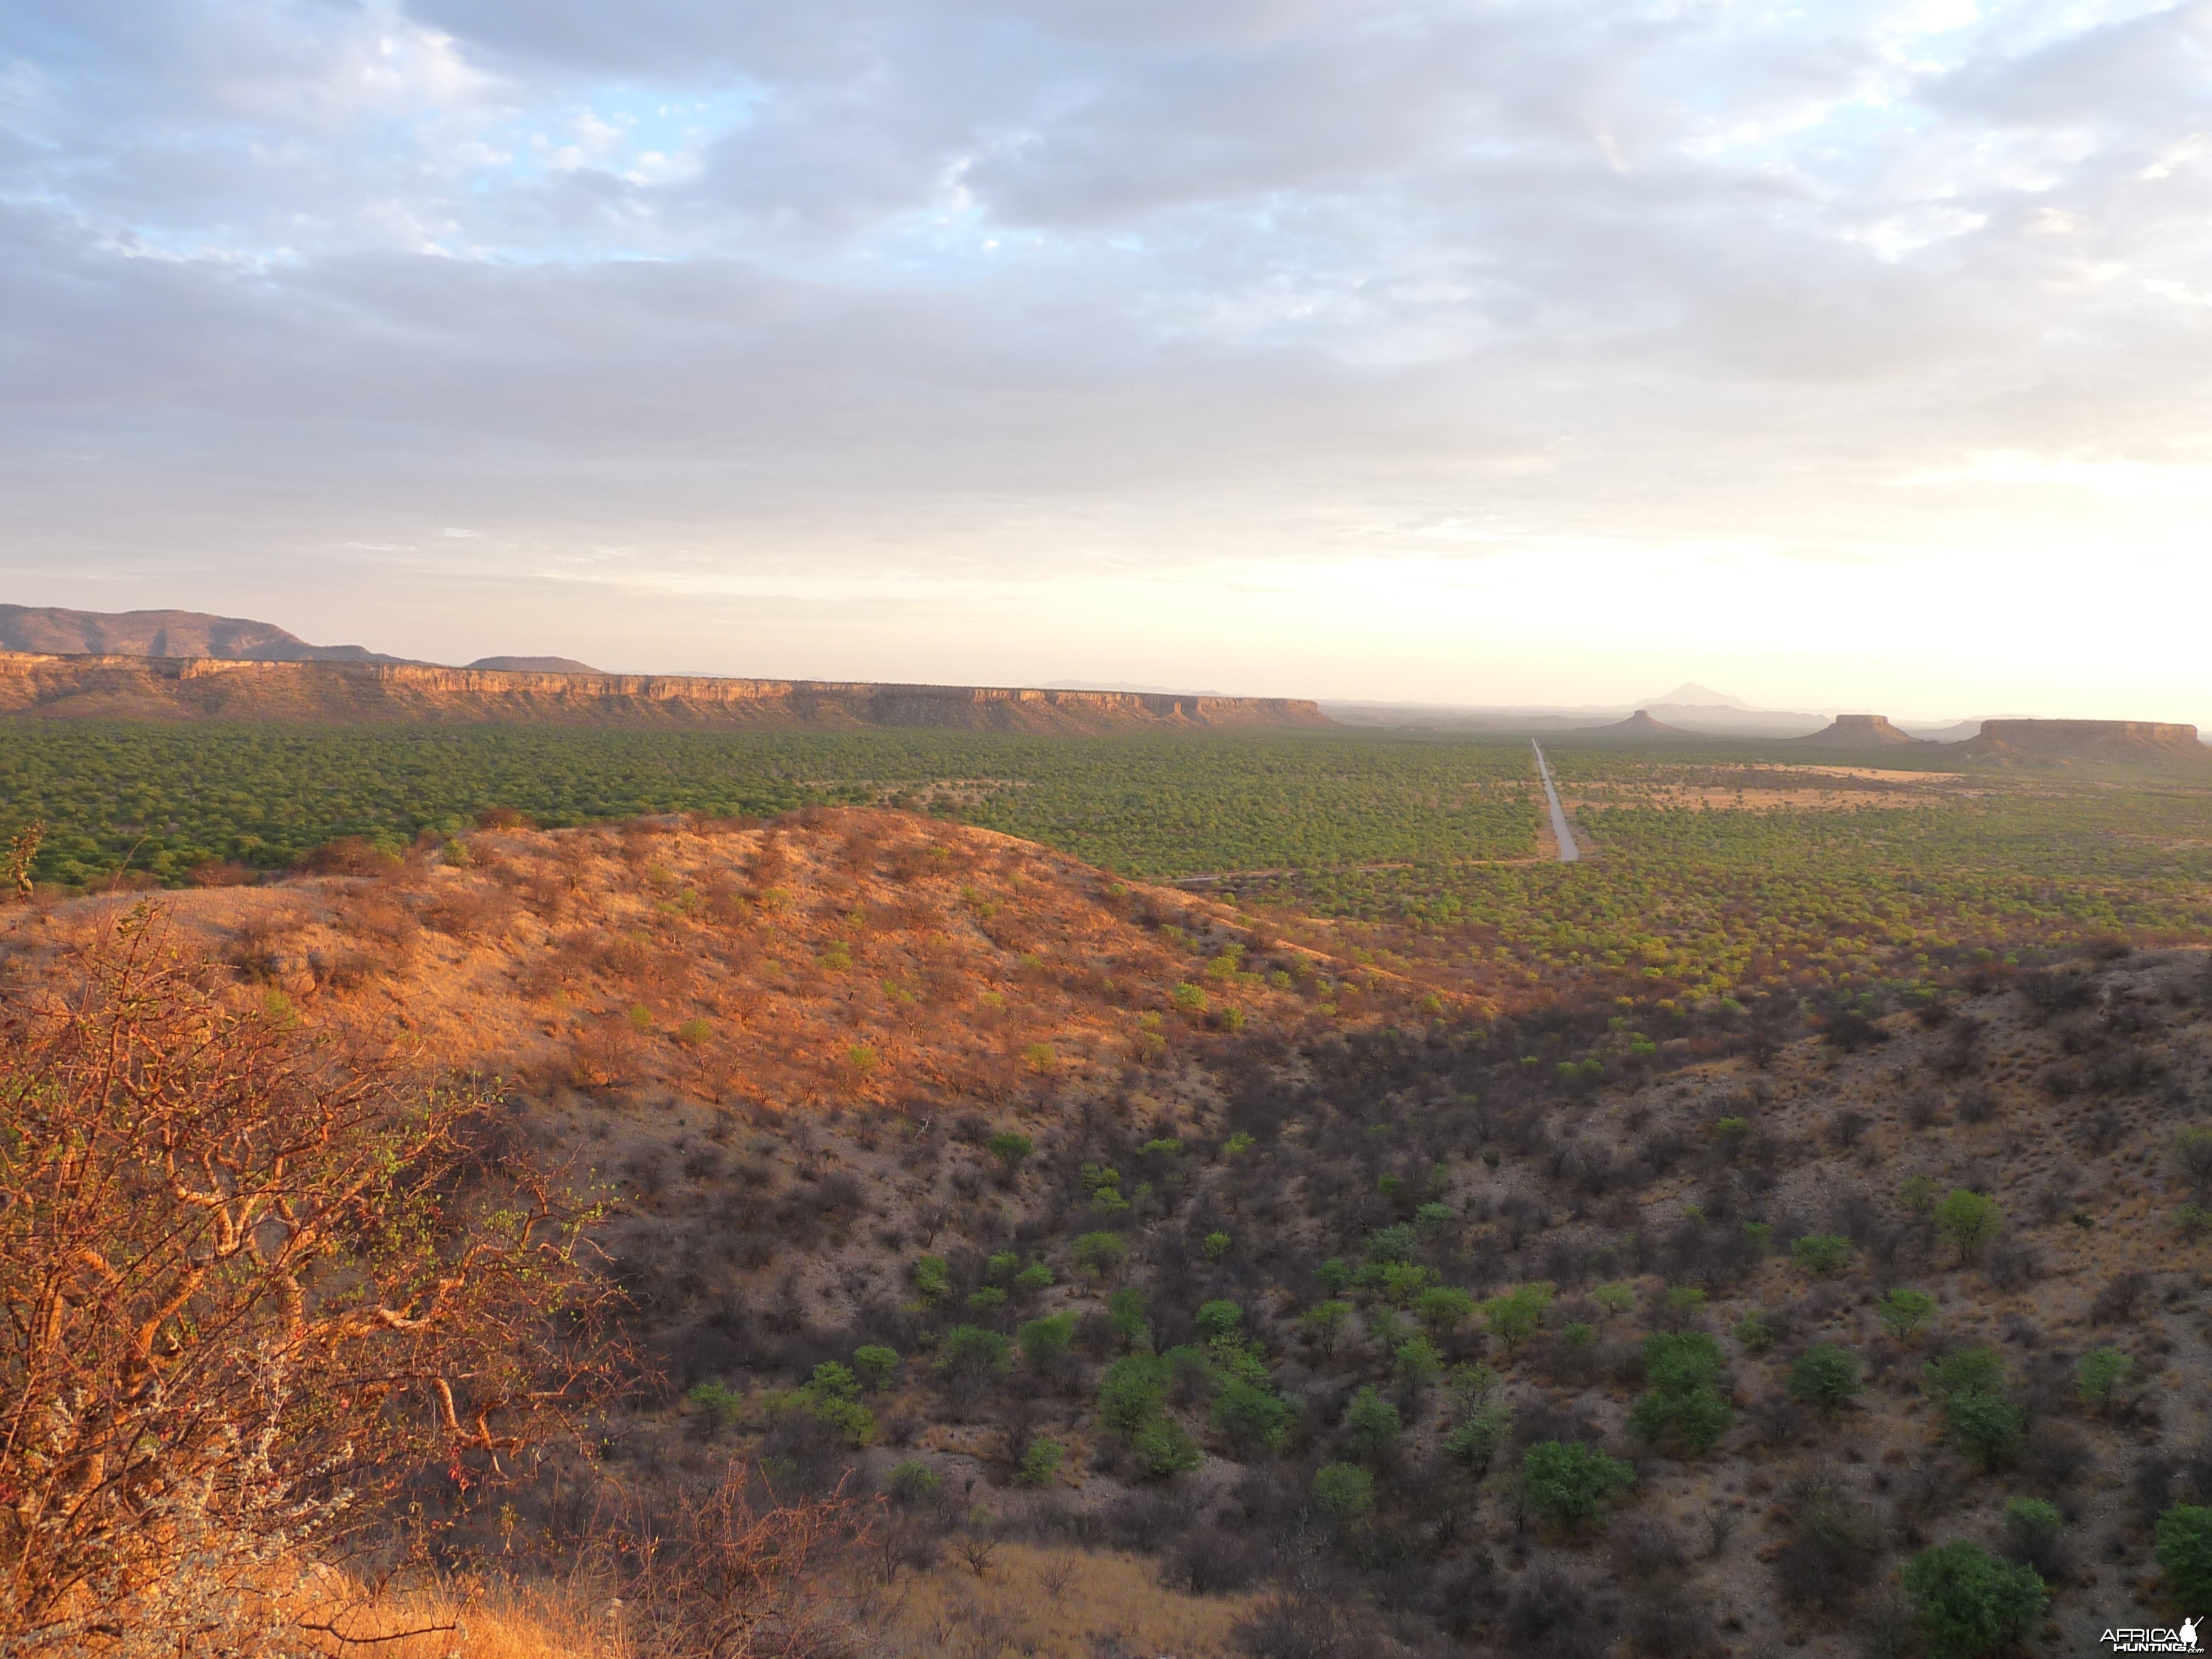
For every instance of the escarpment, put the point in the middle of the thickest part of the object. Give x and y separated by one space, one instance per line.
206 688
2088 740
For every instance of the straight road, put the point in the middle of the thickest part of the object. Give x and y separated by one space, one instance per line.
1568 851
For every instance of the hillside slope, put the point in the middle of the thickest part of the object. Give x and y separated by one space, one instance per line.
51 630
117 687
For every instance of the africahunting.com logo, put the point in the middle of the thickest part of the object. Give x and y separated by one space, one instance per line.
2182 1640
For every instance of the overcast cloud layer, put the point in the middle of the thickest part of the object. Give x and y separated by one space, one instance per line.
1851 353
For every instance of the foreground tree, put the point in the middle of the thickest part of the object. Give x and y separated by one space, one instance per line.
243 1279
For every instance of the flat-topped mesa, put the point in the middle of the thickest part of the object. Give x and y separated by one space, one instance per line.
2068 740
206 688
1856 731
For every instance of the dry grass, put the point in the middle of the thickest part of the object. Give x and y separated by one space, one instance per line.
1060 1604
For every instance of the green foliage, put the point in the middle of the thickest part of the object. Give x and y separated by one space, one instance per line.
1432 1219
1043 1341
2099 1373
1010 1149
1987 1426
1615 1299
1965 1370
1125 1313
1515 1316
1216 1246
1323 1324
1163 1448
1826 1376
1371 1423
1970 1220
1755 1333
971 1350
987 1299
1391 1246
1568 1483
1040 1464
1417 1362
1821 1253
1218 1319
1345 1493
912 1482
725 1405
1904 1311
1254 1417
933 1279
1473 1442
1970 1602
1131 1392
1101 1254
1399 1283
2032 1525
1684 1407
1034 1278
876 1366
1334 1275
1443 1306
1917 1193
2183 1552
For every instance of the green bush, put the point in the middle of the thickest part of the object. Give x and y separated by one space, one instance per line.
1988 1427
1010 1149
1567 1483
1345 1492
1474 1442
1164 1450
1034 1278
1391 1245
1335 1275
2099 1374
1130 1393
911 1482
1040 1463
1102 1254
2184 1553
876 1366
1970 1220
1443 1306
1970 1602
1216 1246
1615 1299
1515 1316
1968 1370
1755 1333
1826 1376
1372 1422
1253 1418
1218 1319
1323 1324
1125 1313
1904 1311
1417 1362
970 1350
932 1280
1044 1341
1821 1253
1684 1407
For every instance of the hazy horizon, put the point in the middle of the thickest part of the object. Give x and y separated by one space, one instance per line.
1449 353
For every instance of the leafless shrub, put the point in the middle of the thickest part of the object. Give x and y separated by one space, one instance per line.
244 1282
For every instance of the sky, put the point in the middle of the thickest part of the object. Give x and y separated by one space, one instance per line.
1849 355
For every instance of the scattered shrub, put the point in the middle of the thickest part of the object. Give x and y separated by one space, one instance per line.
1970 1602
1568 1483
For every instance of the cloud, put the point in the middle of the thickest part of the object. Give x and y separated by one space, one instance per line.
970 290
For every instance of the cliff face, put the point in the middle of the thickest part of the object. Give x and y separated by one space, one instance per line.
1857 732
2065 741
205 688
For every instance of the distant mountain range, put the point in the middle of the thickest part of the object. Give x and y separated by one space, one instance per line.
52 631
1689 707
